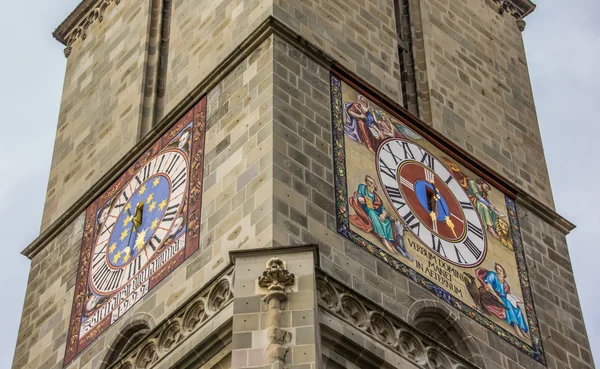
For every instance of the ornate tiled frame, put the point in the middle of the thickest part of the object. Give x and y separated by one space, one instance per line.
343 227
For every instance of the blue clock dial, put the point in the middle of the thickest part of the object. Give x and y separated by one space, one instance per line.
144 217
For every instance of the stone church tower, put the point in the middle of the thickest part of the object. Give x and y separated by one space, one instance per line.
299 184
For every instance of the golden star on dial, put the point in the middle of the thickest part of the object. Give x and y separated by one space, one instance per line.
140 240
152 206
156 182
142 190
127 220
150 198
128 206
116 257
112 248
127 252
154 223
162 205
124 234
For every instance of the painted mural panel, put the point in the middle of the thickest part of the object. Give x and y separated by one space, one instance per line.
413 206
139 230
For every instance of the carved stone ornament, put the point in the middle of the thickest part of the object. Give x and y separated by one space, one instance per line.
275 278
179 327
79 29
517 8
393 333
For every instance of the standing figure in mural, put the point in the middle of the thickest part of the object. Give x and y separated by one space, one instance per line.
506 305
372 217
361 125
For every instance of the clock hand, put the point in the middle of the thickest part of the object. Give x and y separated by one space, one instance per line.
139 213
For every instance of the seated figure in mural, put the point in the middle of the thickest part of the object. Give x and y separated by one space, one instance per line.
372 217
479 190
361 125
495 283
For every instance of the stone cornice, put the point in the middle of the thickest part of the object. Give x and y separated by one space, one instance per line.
77 23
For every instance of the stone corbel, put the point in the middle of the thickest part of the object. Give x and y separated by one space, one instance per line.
275 279
517 8
78 22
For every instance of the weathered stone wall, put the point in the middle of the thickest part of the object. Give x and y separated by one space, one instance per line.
358 34
203 34
101 104
479 92
48 300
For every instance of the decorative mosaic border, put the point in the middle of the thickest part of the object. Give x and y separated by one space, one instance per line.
343 226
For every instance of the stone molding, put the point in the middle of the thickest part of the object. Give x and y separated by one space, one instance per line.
181 325
380 325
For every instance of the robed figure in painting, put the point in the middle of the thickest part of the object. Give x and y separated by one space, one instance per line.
372 217
495 283
361 124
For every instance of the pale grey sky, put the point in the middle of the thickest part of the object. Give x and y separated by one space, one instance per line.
563 49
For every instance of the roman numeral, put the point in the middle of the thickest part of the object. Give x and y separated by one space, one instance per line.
170 214
396 197
467 205
101 275
389 150
428 160
113 281
106 229
459 258
385 169
154 242
450 178
409 218
475 230
437 245
147 171
134 267
407 151
472 248
162 159
180 179
98 256
172 164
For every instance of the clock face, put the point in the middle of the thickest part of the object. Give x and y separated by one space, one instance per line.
430 202
145 216
139 230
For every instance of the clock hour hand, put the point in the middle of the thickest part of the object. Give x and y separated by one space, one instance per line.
138 216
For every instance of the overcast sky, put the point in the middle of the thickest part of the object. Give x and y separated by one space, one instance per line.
563 46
